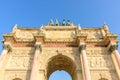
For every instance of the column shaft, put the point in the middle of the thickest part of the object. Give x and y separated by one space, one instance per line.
116 65
2 57
86 70
85 65
116 54
34 71
6 49
113 49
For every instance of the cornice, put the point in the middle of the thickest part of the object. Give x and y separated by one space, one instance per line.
78 33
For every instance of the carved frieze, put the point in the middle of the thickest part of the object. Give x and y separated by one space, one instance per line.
65 50
100 63
23 52
20 63
24 35
96 51
93 33
62 34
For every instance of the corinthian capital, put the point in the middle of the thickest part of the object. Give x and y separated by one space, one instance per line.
38 47
113 47
82 47
7 47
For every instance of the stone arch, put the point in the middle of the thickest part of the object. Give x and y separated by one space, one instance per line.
61 62
103 79
45 59
17 79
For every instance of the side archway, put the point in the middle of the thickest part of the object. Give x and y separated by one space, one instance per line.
17 79
103 79
61 62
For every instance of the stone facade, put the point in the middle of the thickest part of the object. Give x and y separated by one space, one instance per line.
85 53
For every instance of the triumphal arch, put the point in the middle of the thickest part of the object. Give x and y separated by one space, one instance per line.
35 53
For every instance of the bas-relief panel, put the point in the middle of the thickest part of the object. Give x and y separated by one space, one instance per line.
23 52
110 75
103 62
24 35
93 34
20 63
96 51
99 58
10 75
60 34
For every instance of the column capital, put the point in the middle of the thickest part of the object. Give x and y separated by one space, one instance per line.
113 47
7 47
82 47
38 47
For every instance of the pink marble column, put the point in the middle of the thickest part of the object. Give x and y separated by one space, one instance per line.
114 50
34 70
85 62
6 49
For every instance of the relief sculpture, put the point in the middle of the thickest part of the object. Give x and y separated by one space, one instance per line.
97 51
20 62
99 62
23 52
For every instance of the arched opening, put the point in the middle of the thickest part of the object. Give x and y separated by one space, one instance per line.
103 79
60 75
17 79
61 62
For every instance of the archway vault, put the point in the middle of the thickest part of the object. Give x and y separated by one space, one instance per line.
61 62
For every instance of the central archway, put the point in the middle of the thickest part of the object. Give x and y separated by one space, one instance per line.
60 75
61 62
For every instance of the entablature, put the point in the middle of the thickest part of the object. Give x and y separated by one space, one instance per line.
69 34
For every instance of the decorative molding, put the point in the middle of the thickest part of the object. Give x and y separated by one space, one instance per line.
82 47
113 47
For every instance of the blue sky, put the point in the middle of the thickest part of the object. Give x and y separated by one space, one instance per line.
34 13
